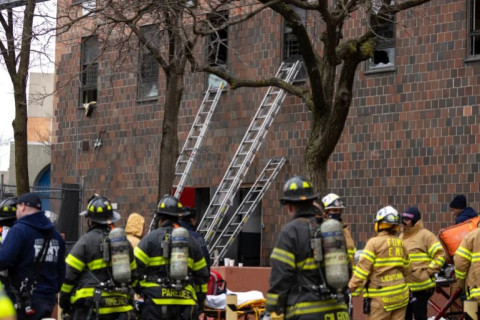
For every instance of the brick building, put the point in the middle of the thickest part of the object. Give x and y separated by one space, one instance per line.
412 136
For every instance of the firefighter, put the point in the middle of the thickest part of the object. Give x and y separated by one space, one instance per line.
93 287
467 271
175 273
8 215
382 269
333 209
426 256
298 288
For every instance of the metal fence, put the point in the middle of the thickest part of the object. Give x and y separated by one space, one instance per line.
63 204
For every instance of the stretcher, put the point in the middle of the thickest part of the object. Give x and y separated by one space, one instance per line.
249 305
451 306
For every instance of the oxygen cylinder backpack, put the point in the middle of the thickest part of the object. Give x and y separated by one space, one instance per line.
116 250
175 250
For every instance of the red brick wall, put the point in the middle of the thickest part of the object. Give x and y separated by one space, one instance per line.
412 136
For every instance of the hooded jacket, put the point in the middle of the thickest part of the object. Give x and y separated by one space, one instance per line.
466 214
25 240
426 256
134 228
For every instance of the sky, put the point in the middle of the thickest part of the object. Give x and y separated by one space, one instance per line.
7 106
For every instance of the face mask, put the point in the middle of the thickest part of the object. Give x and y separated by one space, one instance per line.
336 216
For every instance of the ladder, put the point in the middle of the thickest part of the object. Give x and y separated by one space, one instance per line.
228 187
195 137
193 142
249 203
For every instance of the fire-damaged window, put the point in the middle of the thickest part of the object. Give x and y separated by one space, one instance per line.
217 46
474 29
147 85
384 56
291 47
89 57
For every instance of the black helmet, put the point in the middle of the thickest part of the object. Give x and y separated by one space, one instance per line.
169 205
297 189
8 209
100 210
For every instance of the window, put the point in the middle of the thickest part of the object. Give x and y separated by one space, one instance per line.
384 55
217 47
291 47
89 69
148 66
474 29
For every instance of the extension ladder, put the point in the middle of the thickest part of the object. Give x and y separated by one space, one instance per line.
228 187
244 210
193 142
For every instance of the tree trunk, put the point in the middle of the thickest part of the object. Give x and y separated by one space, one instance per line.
169 144
20 135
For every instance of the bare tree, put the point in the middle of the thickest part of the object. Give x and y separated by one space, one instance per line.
330 68
24 35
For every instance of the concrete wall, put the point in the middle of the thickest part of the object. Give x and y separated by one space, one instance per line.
38 158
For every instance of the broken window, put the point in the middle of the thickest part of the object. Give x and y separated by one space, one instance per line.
89 76
147 85
217 46
291 46
383 25
474 29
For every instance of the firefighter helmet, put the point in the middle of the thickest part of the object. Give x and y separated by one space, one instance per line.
8 210
386 218
100 210
170 206
297 189
332 201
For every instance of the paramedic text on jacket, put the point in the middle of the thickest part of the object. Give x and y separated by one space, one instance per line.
298 289
166 297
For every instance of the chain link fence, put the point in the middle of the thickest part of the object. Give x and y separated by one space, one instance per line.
62 205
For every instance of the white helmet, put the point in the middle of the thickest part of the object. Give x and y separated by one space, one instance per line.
388 215
332 201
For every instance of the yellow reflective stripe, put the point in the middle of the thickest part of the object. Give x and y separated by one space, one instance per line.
417 286
272 299
183 302
74 262
396 306
464 252
390 290
360 273
391 261
67 288
434 248
476 257
307 264
133 264
204 288
195 266
418 257
369 255
314 307
88 292
140 255
460 274
473 293
118 309
97 264
283 256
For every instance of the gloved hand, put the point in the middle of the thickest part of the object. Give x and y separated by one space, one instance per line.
275 316
64 301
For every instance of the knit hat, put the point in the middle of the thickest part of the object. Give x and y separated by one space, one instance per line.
459 202
413 214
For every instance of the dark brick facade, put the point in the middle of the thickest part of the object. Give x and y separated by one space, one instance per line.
412 136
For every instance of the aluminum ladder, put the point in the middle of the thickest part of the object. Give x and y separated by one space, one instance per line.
195 138
253 138
193 142
245 209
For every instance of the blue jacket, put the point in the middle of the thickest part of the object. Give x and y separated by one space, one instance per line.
24 240
466 214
